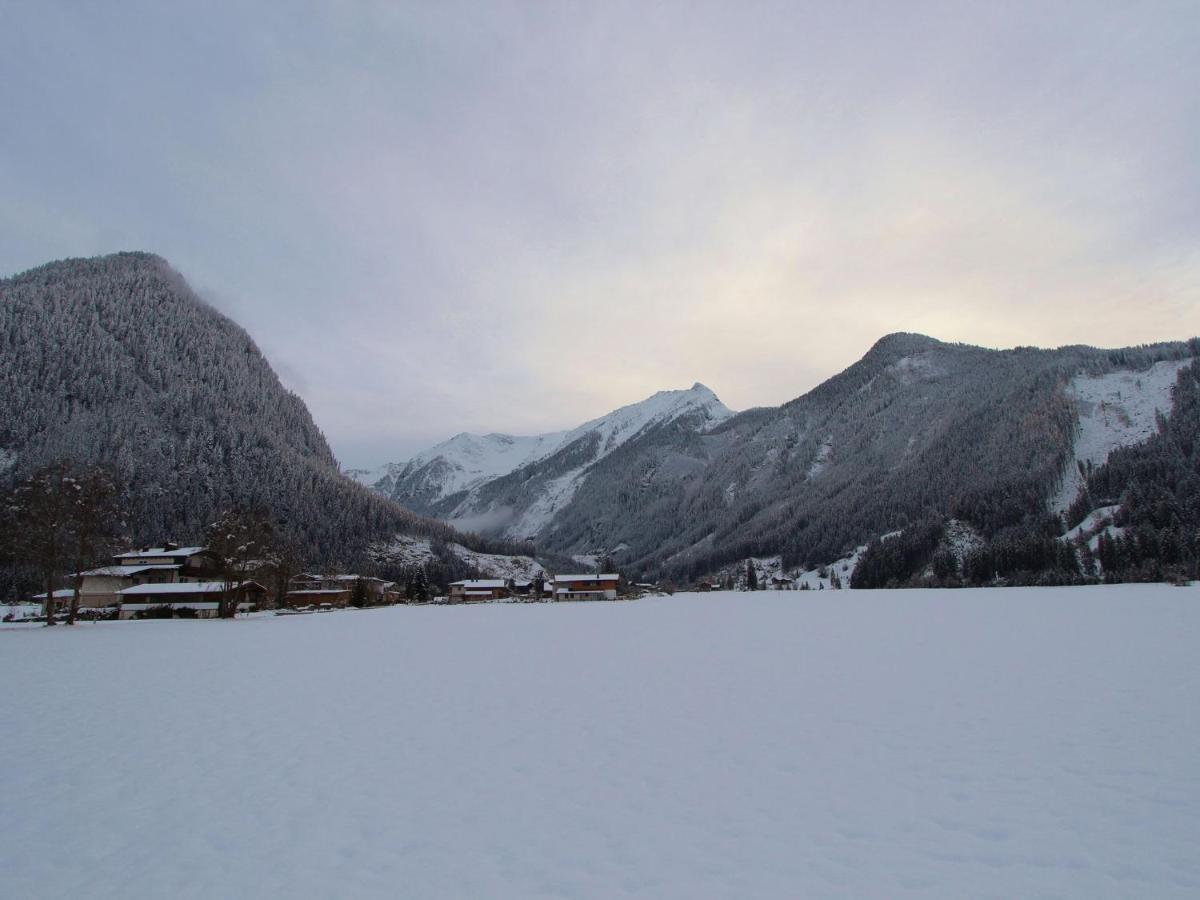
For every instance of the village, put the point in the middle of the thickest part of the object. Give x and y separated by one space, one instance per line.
193 582
173 581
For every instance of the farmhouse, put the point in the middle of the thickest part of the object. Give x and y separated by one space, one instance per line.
309 588
189 562
478 590
586 587
308 596
202 596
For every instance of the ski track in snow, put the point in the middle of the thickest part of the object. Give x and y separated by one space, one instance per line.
966 743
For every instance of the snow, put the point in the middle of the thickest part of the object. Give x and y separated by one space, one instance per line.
468 461
126 571
473 459
181 587
844 568
1115 410
159 551
557 494
1092 523
821 460
409 551
972 743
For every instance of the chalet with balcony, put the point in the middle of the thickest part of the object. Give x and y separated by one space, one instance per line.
586 587
478 590
204 597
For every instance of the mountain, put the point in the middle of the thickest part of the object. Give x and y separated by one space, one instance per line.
930 444
115 360
467 479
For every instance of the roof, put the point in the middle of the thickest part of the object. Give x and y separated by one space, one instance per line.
60 594
126 571
483 583
184 604
337 591
613 577
189 604
356 578
183 588
160 551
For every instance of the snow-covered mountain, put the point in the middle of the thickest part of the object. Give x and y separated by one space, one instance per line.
115 360
448 479
920 438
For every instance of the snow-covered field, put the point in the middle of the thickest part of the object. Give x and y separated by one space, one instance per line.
1003 743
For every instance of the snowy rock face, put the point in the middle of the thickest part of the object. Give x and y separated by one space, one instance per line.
450 480
1116 409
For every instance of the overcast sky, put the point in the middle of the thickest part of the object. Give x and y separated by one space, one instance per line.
446 217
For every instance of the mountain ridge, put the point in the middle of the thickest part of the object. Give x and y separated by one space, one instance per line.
115 360
916 427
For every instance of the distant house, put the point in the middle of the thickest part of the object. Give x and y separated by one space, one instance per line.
102 586
309 588
168 564
478 590
202 596
586 587
317 596
376 588
782 583
190 563
705 586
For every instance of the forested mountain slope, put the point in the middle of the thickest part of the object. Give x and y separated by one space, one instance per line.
115 360
916 430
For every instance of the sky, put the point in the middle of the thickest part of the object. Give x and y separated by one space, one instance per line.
445 217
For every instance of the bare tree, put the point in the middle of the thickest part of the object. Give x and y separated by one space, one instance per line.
242 540
283 562
95 510
40 509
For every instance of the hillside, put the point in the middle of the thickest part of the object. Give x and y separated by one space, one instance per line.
512 485
917 434
116 360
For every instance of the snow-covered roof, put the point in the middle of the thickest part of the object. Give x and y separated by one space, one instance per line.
126 571
185 587
60 594
482 583
612 577
178 604
159 551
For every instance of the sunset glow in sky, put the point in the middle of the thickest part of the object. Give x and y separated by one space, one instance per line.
591 202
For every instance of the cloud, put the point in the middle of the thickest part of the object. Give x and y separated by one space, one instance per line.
515 217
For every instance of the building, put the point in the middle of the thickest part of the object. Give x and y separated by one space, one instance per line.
204 597
478 590
338 597
586 587
190 563
168 564
782 583
339 590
